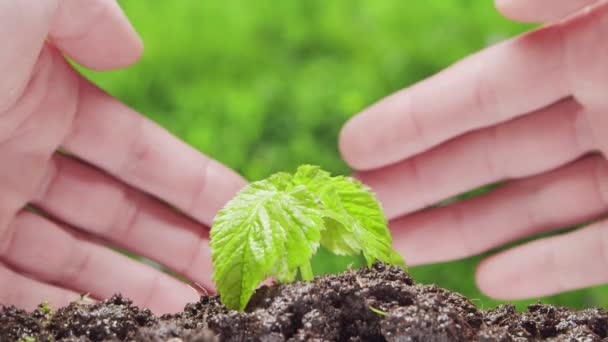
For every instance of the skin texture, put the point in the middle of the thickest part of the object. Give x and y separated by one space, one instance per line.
112 184
531 111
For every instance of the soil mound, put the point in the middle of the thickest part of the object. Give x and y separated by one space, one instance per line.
378 304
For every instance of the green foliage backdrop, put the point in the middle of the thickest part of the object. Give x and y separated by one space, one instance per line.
265 85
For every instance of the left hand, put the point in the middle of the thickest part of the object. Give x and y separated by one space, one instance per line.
121 183
520 111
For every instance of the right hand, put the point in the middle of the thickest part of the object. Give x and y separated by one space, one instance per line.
112 187
531 110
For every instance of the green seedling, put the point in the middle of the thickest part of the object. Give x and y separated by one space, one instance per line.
84 298
47 311
28 339
273 227
378 311
45 308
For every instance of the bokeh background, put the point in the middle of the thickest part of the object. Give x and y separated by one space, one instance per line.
264 86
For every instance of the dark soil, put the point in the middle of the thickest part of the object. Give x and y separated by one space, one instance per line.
378 304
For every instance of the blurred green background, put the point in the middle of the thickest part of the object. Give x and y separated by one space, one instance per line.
266 85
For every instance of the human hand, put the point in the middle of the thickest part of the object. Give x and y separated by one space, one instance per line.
526 110
110 187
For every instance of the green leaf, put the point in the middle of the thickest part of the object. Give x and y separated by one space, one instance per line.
270 228
337 237
363 215
354 219
274 226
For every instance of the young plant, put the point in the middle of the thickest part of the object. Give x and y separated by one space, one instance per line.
28 339
45 308
274 226
378 311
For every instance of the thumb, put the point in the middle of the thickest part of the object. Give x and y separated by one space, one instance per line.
94 33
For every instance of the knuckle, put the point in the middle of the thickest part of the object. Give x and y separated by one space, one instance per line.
583 137
495 141
127 217
76 264
485 99
152 290
458 212
200 186
194 255
482 93
139 150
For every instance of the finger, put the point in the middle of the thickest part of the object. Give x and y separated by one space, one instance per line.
540 10
27 293
84 266
587 48
98 204
134 149
567 196
504 81
548 266
526 146
94 33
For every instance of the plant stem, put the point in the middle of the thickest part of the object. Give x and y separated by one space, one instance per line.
306 272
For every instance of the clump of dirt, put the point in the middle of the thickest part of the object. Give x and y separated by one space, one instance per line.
378 304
